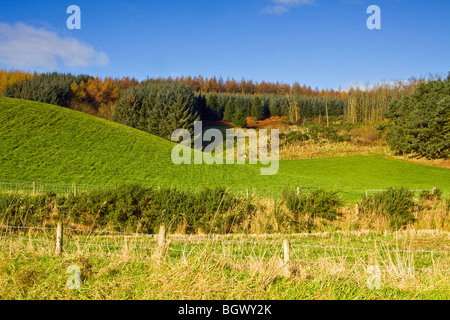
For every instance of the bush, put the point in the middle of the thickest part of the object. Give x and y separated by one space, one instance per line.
318 203
296 136
436 194
396 203
365 135
447 202
133 208
317 132
17 209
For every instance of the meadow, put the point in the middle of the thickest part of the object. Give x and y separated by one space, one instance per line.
412 265
57 146
54 145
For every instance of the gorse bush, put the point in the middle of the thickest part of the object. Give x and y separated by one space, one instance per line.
133 208
435 194
318 203
23 209
396 203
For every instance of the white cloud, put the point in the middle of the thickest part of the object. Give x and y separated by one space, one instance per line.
26 47
280 7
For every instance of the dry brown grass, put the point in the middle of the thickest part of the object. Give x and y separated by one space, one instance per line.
312 150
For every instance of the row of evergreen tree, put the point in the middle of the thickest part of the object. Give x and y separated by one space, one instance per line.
223 106
159 106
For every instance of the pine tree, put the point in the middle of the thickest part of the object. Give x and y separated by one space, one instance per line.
239 119
214 111
257 109
229 111
421 122
158 108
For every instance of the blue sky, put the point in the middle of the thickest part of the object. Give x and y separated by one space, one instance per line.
323 43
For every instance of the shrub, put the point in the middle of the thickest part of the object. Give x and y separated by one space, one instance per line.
18 209
447 202
318 203
317 132
436 194
134 208
396 203
296 136
365 135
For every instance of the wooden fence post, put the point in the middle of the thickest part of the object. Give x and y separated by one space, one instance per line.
287 251
162 236
247 193
357 209
74 190
59 238
161 249
287 257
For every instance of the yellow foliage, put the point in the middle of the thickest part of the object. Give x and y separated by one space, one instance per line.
10 77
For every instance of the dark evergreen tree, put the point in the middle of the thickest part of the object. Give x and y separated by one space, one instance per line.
52 88
239 119
214 111
158 108
257 109
421 121
229 111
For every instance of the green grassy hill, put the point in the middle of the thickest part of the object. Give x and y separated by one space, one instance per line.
50 144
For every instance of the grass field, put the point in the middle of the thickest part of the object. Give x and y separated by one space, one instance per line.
322 266
54 145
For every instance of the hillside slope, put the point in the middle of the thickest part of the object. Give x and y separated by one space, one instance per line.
50 144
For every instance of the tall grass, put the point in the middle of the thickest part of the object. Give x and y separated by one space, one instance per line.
29 271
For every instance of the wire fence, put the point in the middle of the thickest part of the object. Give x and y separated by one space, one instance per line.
116 242
416 192
36 188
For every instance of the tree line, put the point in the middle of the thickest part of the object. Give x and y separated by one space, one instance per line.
295 107
84 93
99 97
416 111
149 104
370 104
202 84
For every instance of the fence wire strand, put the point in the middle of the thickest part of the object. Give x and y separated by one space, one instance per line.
213 240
